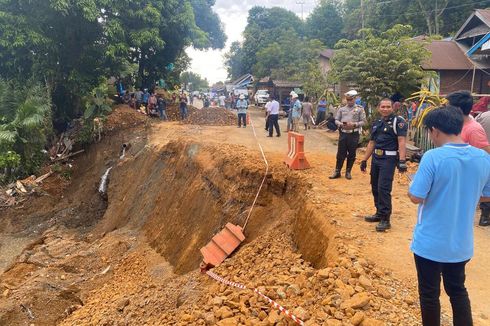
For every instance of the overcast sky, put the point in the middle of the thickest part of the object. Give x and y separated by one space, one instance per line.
233 14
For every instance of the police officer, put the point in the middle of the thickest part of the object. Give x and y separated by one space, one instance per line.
349 119
387 146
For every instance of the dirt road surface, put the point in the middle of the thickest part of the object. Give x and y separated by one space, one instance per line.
73 257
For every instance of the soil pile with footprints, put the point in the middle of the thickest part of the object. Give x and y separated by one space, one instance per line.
173 111
212 117
132 256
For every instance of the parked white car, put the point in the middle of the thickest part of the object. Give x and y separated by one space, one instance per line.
261 97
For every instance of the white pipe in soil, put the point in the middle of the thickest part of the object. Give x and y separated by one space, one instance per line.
103 181
123 153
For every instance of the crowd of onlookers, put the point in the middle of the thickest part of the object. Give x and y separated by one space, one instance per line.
153 103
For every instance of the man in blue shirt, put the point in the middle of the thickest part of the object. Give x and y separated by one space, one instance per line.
242 106
449 183
321 110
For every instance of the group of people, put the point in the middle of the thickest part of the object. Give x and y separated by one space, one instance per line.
450 182
155 104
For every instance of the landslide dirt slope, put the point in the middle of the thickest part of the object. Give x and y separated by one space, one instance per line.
136 261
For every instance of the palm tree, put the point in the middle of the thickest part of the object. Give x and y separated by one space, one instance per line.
25 122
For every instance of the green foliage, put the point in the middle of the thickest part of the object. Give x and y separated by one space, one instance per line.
74 45
287 57
381 64
443 17
234 61
25 125
264 27
9 160
197 83
97 105
325 23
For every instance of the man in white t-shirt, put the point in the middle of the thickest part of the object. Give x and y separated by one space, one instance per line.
273 116
267 114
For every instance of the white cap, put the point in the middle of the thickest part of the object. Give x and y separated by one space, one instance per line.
293 94
242 96
351 93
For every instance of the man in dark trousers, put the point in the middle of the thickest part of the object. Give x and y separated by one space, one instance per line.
449 183
273 116
387 146
349 119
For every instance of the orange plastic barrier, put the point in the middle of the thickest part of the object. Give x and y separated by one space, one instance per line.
221 246
296 159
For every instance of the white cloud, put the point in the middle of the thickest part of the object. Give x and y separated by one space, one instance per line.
233 14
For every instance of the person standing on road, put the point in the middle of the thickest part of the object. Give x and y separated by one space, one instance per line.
273 116
152 103
139 99
242 106
450 181
267 111
162 107
289 101
307 110
387 147
295 111
349 119
473 134
146 97
183 106
321 110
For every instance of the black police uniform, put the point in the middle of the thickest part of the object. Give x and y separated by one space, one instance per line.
385 134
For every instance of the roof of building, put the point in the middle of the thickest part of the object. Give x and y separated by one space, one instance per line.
240 80
475 25
287 84
327 53
446 55
484 14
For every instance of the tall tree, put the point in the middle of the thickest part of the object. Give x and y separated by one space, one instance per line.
287 57
325 23
443 17
264 26
381 64
234 61
73 45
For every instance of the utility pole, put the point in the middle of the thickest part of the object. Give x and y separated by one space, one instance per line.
362 14
302 3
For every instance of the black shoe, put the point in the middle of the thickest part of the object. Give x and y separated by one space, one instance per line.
269 136
348 176
278 135
383 225
484 220
335 175
372 218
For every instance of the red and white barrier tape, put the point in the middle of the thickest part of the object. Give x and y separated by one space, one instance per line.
272 302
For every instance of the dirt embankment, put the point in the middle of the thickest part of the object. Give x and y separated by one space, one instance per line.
137 262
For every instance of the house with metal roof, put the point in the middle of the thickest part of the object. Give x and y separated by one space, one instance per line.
463 62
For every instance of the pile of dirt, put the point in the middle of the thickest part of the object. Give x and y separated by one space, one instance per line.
123 117
351 292
214 116
173 111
